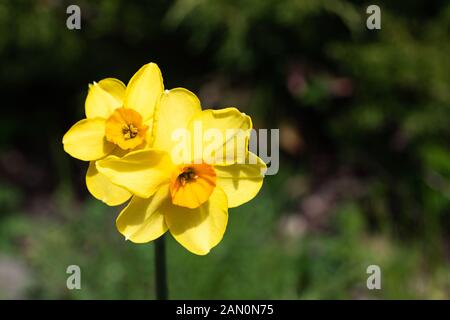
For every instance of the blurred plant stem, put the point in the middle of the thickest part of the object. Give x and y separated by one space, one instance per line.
160 269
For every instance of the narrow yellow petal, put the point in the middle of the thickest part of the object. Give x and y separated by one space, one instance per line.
175 109
241 182
141 172
103 189
199 229
103 97
142 221
144 90
86 140
227 132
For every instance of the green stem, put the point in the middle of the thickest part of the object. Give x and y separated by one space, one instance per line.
160 269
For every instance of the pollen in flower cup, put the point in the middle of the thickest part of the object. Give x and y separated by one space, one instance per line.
179 183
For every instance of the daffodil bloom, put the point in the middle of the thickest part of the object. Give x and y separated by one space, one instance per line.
190 199
119 119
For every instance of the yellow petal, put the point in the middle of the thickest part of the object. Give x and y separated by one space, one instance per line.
228 131
103 189
175 109
148 135
103 97
144 90
142 221
199 229
141 172
241 182
86 140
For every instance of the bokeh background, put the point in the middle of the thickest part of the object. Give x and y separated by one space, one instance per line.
364 119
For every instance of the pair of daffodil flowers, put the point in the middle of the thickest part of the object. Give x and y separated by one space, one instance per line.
127 139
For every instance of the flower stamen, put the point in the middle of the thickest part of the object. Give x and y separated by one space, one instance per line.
129 131
187 176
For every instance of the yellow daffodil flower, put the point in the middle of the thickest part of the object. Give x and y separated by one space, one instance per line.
190 199
119 119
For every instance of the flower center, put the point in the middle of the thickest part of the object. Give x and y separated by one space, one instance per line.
192 185
188 175
125 129
129 131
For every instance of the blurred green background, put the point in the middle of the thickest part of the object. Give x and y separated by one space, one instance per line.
364 119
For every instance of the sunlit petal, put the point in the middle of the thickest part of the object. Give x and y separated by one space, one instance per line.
86 140
199 229
103 97
141 172
103 189
144 90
